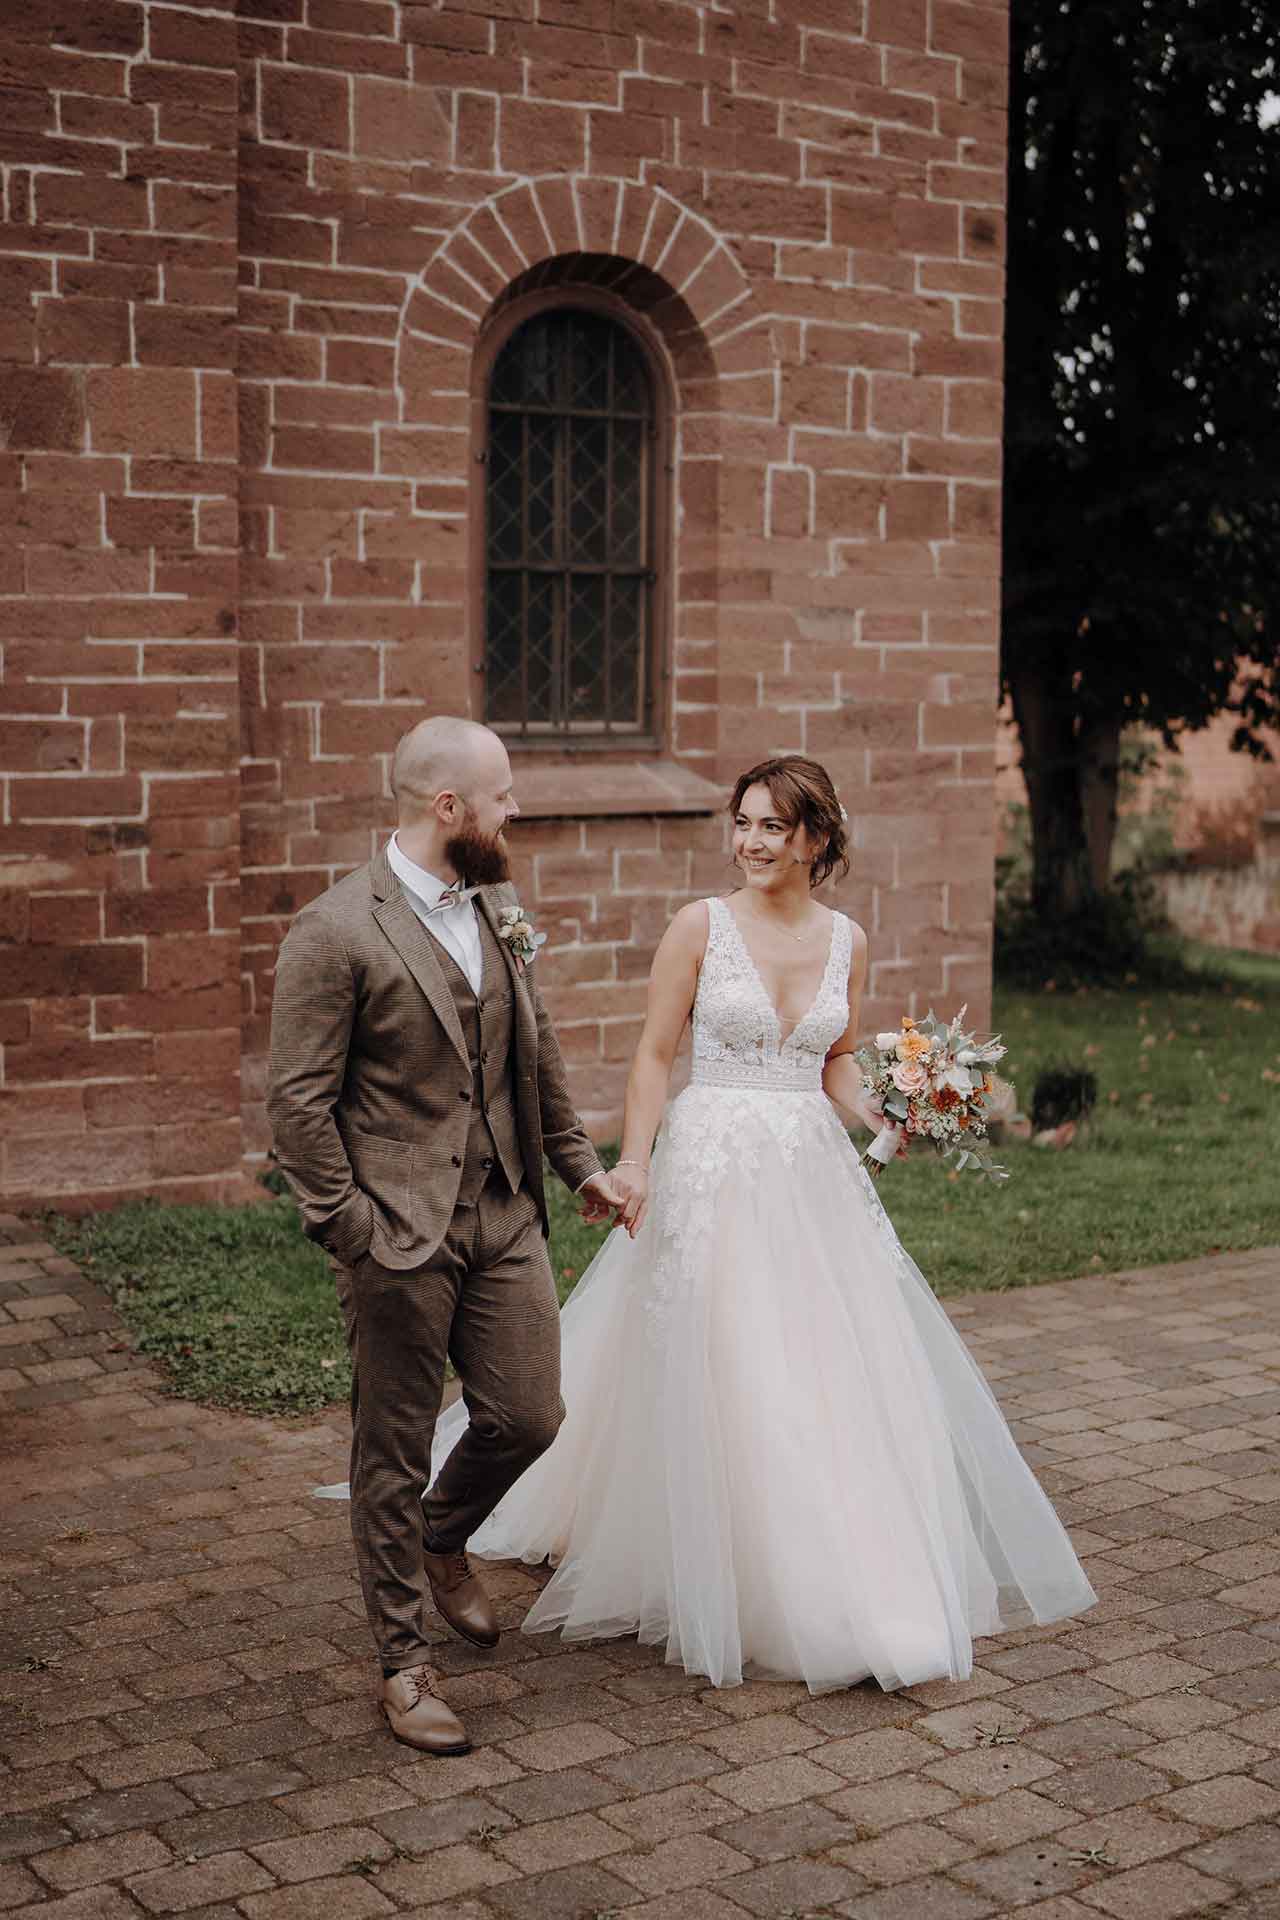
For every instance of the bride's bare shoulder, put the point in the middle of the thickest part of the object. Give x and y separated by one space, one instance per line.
689 924
857 945
688 931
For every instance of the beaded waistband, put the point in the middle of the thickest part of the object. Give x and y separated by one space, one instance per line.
774 1076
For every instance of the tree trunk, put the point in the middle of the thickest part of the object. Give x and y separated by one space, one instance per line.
1061 872
1099 748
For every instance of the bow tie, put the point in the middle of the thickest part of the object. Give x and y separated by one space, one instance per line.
454 896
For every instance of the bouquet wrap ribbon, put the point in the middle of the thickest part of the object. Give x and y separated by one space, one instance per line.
885 1145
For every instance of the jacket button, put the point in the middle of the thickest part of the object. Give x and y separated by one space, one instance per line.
486 1164
457 1159
464 1093
484 1059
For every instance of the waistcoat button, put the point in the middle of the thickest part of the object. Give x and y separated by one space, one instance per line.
464 1093
457 1159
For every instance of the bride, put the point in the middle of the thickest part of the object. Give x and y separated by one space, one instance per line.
777 1453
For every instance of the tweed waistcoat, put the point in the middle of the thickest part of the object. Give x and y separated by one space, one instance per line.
488 1025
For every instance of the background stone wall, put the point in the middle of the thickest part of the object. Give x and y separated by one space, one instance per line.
804 203
119 724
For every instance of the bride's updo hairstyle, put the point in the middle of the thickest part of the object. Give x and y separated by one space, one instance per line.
802 792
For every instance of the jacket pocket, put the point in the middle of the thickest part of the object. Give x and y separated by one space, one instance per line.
384 1170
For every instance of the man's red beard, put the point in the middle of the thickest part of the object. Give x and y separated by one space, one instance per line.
481 858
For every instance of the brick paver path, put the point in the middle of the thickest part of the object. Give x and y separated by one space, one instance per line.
187 1724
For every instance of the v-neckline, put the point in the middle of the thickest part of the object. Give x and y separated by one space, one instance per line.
758 977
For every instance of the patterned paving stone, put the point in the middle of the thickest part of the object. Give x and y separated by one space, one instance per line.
203 1740
1021 1875
1229 1800
694 1860
990 1770
776 1783
927 1899
1019 1815
1248 1857
92 1861
1104 1786
905 1853
1165 1891
807 1828
880 1804
791 1886
574 1893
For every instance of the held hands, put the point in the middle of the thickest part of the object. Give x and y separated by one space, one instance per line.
624 1193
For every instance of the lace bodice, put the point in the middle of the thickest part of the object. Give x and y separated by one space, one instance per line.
737 1036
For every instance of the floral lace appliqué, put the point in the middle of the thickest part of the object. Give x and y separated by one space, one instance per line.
752 1092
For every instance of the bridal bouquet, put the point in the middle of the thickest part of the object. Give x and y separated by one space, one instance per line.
934 1082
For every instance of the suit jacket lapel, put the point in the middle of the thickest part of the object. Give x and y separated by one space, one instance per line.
417 949
526 1024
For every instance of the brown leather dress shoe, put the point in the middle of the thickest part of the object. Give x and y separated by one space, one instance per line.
460 1599
418 1716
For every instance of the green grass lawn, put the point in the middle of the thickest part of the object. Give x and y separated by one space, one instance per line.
1179 1160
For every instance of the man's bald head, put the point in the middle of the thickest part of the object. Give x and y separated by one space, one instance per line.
452 783
441 755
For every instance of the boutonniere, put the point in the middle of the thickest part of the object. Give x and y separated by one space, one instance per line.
518 937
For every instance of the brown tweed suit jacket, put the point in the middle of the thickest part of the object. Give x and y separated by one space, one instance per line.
370 1087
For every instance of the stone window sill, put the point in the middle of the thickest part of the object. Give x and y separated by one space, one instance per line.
579 791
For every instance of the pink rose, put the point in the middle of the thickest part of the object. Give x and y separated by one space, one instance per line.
910 1077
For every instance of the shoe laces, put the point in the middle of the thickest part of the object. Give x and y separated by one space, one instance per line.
461 1565
423 1682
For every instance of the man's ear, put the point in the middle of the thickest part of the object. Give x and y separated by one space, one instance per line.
447 808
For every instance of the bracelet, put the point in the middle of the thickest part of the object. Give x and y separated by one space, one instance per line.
642 1164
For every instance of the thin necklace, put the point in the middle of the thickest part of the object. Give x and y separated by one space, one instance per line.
782 929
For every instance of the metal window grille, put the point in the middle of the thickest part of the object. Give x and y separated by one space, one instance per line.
569 532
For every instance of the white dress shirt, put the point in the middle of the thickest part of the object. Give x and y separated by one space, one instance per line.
456 928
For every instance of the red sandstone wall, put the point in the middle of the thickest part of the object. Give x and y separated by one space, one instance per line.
816 200
118 717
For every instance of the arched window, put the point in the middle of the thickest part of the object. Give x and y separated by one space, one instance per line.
570 532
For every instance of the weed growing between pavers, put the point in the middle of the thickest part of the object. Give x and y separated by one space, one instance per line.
1176 1162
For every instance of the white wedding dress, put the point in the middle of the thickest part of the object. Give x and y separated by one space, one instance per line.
777 1453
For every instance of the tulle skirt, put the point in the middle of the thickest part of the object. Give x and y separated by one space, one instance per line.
777 1453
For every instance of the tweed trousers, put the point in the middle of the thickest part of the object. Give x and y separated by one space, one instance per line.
486 1301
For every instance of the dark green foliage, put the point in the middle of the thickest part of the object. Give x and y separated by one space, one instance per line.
1062 1093
1142 442
1111 939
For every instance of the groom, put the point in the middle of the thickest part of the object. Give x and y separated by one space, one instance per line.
415 1084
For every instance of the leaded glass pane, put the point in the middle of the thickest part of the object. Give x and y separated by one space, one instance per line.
587 362
506 487
506 382
587 649
588 442
542 626
626 650
541 356
569 528
506 648
627 493
541 474
630 380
